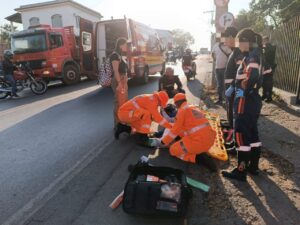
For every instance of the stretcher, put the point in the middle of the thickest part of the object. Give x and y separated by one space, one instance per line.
218 150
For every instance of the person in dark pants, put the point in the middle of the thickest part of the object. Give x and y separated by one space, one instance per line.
269 69
220 54
168 81
232 66
8 70
247 105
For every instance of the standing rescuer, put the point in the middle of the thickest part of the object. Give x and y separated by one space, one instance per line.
196 134
139 112
247 105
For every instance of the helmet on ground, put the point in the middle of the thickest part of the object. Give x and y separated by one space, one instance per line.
163 98
179 96
171 110
8 54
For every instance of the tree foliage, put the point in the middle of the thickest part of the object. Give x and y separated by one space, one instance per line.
182 39
5 32
264 14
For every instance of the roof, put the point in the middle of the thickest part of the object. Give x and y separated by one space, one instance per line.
14 18
56 2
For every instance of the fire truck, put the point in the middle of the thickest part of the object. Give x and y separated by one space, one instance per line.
57 53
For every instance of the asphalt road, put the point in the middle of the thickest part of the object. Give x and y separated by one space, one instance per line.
42 137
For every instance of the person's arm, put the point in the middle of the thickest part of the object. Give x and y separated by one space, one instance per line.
157 117
175 130
178 82
115 66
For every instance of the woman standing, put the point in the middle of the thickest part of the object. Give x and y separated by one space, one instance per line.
119 79
247 105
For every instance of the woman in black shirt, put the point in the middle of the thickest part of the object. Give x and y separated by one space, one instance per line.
119 79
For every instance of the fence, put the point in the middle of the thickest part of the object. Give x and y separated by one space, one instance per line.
287 41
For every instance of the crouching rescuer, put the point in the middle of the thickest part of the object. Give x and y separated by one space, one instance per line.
137 114
195 132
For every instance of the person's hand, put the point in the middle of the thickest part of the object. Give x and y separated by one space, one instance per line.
229 91
239 93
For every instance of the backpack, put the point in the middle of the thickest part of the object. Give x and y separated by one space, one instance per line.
105 73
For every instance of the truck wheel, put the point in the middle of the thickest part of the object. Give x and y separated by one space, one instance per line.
145 77
71 75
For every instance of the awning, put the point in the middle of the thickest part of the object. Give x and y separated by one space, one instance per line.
16 18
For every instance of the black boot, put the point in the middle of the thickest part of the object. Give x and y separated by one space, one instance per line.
207 161
254 160
142 139
120 129
235 174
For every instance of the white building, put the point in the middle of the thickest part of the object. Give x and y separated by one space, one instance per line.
59 13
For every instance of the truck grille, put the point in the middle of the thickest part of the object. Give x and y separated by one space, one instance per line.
34 64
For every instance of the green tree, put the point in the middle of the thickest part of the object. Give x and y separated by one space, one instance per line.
290 11
5 32
248 19
269 9
182 39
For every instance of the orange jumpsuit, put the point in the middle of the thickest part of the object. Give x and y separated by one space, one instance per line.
139 113
197 135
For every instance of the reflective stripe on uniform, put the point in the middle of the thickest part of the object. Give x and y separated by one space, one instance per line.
183 147
194 129
135 104
146 126
244 148
241 76
163 122
267 71
151 97
168 132
131 113
185 107
228 81
253 65
256 144
239 62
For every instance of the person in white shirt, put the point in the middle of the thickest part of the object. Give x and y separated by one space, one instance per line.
220 54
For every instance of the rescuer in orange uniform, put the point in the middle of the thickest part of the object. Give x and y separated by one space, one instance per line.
141 111
196 134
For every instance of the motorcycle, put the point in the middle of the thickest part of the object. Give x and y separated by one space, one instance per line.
24 78
190 71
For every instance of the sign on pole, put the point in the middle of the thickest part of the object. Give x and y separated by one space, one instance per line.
226 20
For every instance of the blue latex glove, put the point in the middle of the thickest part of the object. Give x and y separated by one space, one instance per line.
229 91
239 93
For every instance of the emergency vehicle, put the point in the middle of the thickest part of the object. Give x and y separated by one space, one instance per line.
57 53
145 53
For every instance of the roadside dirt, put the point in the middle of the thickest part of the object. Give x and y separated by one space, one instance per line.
270 198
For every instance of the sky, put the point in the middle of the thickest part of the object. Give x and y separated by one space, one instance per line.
189 15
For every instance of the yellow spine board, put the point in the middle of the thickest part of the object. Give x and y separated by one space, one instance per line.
218 150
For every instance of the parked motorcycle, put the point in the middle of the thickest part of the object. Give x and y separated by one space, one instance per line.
24 78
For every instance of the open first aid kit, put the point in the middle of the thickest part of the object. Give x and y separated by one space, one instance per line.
154 190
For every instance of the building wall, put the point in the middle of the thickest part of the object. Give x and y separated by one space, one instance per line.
68 13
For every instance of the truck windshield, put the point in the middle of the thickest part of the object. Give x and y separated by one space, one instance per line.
29 43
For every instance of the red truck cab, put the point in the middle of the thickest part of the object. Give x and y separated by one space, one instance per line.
52 53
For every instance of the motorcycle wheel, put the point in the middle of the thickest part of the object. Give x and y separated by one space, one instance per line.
4 94
40 88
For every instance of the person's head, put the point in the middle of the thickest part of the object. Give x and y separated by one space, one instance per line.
169 71
228 36
247 39
188 51
179 99
8 55
162 98
121 45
